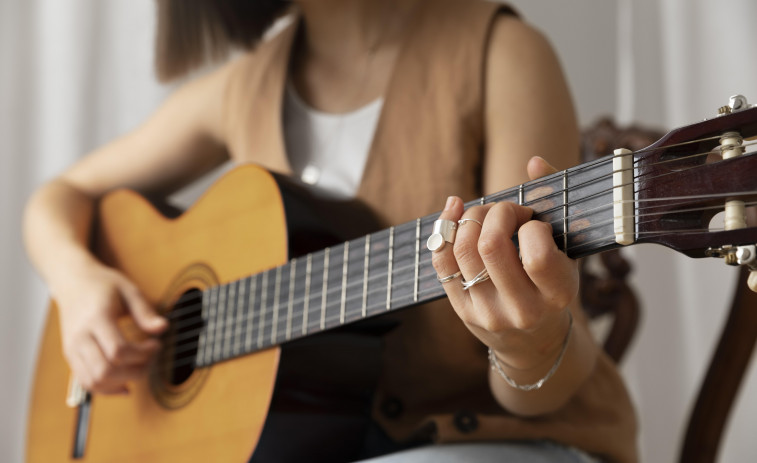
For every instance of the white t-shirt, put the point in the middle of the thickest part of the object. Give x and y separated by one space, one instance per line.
328 150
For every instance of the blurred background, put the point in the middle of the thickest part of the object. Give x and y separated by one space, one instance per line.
75 74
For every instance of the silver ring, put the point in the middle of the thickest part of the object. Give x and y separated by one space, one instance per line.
443 280
462 221
482 276
442 233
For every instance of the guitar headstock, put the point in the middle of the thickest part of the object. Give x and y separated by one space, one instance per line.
689 176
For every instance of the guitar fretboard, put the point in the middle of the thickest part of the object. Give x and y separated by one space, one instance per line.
387 270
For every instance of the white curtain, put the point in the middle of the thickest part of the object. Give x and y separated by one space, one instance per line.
75 74
686 59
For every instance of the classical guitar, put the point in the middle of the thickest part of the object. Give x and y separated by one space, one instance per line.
226 275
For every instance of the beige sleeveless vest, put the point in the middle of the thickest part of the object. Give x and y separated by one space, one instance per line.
428 145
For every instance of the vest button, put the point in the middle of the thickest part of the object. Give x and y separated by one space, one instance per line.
465 421
391 407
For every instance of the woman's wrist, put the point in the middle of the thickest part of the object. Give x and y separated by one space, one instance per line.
71 266
535 350
532 384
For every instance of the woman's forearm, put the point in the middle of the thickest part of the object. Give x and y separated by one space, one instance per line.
56 230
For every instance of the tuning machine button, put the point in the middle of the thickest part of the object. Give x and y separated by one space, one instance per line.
739 255
735 103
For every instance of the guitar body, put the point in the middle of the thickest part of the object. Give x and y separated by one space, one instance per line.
217 414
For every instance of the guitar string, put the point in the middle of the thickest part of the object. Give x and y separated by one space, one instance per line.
267 327
683 200
236 348
608 160
558 193
382 275
573 189
168 364
657 148
580 213
576 187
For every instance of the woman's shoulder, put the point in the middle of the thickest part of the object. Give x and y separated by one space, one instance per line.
517 46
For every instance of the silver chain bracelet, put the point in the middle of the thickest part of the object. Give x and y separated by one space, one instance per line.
494 361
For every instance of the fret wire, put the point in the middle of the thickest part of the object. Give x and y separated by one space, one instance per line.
220 313
251 319
229 318
241 313
344 281
565 210
202 351
290 306
365 274
389 273
417 257
276 296
325 286
308 269
263 300
520 194
211 325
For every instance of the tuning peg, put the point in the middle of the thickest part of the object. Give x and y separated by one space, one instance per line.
752 280
747 255
739 255
735 103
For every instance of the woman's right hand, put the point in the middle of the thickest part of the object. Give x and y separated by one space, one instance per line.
181 141
90 303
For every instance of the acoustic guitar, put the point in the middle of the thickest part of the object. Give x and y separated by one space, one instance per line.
228 275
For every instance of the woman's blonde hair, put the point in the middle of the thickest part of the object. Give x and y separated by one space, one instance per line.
193 32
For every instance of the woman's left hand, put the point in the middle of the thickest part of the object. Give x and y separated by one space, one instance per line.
521 311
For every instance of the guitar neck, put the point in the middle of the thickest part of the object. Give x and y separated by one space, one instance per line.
387 270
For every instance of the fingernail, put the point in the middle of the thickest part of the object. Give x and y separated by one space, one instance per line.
450 202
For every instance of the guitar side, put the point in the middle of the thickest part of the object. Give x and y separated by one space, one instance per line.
217 414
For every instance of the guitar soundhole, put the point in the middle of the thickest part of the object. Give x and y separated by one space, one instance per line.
180 350
175 378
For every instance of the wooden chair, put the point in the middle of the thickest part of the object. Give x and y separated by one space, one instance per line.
724 375
606 292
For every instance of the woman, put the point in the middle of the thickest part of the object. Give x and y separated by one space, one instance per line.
401 104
